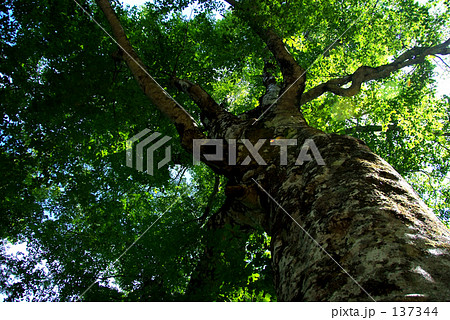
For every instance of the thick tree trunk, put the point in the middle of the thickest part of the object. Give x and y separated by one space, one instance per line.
349 230
368 219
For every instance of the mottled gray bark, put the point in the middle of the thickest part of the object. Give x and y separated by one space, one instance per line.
368 219
388 244
361 233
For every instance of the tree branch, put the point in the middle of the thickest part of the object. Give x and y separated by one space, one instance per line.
290 69
183 121
294 75
364 73
272 89
372 128
209 107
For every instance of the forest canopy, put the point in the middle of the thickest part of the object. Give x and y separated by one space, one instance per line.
69 103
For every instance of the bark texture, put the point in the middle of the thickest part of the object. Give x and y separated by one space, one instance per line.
360 232
362 212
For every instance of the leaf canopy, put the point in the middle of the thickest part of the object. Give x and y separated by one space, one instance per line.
68 107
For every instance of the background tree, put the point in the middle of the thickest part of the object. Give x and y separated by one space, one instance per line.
69 103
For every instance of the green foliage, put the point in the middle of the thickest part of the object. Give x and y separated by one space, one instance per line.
245 276
68 107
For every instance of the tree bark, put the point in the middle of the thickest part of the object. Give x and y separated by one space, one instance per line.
350 230
367 218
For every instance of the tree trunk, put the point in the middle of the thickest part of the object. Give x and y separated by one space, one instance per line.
349 230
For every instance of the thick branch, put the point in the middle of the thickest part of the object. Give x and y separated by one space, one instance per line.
291 70
238 210
183 121
272 88
364 73
206 278
377 128
293 74
210 109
